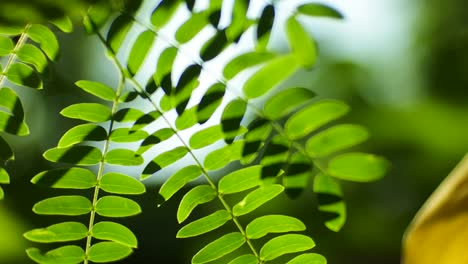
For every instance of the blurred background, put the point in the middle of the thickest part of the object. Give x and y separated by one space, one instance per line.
401 65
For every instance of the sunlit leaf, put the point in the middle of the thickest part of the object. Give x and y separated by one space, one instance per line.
70 178
221 157
79 155
24 75
123 157
206 137
240 180
191 27
187 119
139 50
97 89
286 101
155 138
45 38
63 23
114 232
264 225
302 46
67 231
91 112
10 100
128 115
63 205
285 244
335 139
162 77
308 258
127 135
231 118
80 133
313 117
205 224
118 31
319 10
12 125
121 184
218 248
330 200
108 251
178 180
6 45
163 12
360 167
245 259
115 206
245 61
214 46
62 255
4 177
257 198
198 195
269 76
210 102
163 160
265 25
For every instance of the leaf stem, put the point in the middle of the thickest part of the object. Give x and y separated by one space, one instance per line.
11 59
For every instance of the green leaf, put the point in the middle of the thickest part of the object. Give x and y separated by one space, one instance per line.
139 51
308 258
257 198
199 195
178 180
4 177
285 244
32 55
63 232
264 26
319 10
10 100
63 205
163 160
286 101
80 133
118 31
97 89
127 135
128 115
245 259
360 167
155 138
330 200
221 157
70 178
210 102
11 30
206 137
108 251
115 206
12 125
114 232
63 23
123 157
232 117
6 46
62 255
245 61
313 117
264 225
214 46
268 77
187 120
191 27
335 139
218 248
145 119
162 77
302 46
205 224
91 112
2 193
121 184
78 155
240 180
45 38
24 75
163 12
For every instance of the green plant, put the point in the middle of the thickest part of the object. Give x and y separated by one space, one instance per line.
275 137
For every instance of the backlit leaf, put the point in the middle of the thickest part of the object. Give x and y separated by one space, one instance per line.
206 137
6 153
205 224
198 195
245 61
155 138
313 117
121 184
91 112
221 157
330 200
115 206
6 45
302 46
10 100
163 160
79 155
245 259
191 27
24 75
45 38
123 157
319 10
127 135
163 12
139 51
240 180
70 178
272 74
97 89
286 101
178 180
108 251
308 258
231 118
118 31
80 133
4 177
114 232
32 55
218 248
360 167
62 255
264 225
210 102
63 205
285 244
67 231
128 115
257 198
